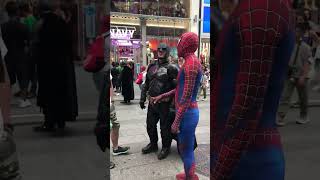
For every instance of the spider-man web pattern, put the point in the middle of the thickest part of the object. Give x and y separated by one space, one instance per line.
187 112
252 56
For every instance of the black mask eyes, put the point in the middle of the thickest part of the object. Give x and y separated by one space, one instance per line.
162 49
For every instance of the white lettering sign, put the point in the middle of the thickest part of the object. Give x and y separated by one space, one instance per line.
122 32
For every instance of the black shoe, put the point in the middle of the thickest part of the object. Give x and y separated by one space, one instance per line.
150 148
163 153
44 128
112 165
123 102
18 94
120 150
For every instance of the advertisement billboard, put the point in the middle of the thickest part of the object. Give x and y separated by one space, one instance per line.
205 28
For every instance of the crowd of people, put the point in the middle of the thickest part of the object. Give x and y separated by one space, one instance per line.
36 54
37 47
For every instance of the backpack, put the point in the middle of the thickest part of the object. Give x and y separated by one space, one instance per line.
94 61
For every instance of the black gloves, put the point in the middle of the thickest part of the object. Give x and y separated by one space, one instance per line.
142 105
102 132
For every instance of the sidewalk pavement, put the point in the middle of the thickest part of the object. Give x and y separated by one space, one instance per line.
136 166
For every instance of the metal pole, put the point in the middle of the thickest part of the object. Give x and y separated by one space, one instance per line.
200 24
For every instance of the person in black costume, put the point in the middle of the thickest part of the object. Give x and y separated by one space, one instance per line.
126 79
57 94
161 78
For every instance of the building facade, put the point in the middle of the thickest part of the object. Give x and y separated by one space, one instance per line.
150 23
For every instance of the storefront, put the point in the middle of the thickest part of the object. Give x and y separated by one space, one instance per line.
125 43
136 37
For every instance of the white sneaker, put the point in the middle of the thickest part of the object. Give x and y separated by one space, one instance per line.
204 99
24 103
304 120
280 121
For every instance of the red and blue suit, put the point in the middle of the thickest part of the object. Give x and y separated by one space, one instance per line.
252 57
187 112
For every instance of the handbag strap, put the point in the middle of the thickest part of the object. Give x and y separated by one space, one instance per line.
296 55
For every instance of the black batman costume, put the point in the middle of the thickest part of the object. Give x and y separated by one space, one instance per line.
161 78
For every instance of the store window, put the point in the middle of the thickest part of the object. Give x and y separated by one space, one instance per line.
125 43
170 8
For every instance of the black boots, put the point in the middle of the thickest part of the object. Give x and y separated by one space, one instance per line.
150 148
154 148
163 153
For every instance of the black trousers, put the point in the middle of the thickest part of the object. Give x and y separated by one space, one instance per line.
160 112
17 66
33 76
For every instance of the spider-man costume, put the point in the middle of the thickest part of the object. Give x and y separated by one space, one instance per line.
187 112
252 57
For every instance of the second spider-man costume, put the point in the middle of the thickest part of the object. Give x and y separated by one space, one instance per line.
252 57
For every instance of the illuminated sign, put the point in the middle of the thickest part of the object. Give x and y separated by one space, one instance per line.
205 28
122 32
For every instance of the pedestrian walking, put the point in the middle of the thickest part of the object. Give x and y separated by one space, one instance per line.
126 79
105 87
117 82
57 94
115 75
203 86
9 164
16 37
29 20
141 77
297 78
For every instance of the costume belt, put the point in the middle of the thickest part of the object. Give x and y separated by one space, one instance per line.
263 137
266 137
193 105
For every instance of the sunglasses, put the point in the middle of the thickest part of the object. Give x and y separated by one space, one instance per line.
162 49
